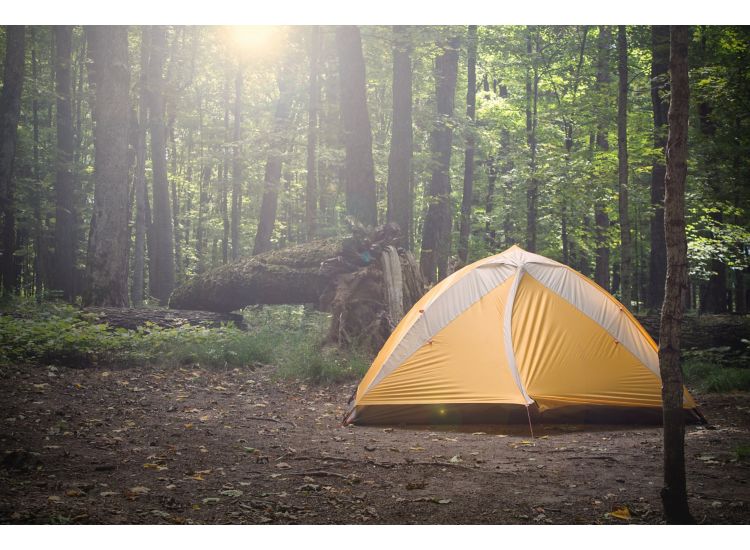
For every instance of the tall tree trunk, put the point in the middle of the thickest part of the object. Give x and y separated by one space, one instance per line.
358 165
139 252
601 218
65 214
272 178
162 256
436 234
674 492
490 233
38 190
657 260
237 166
532 100
713 296
200 236
400 176
225 181
311 187
626 244
107 262
471 103
10 110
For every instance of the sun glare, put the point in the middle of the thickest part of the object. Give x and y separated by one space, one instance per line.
256 41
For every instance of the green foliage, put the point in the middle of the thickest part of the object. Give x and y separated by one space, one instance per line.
742 451
290 337
297 340
712 377
57 334
710 238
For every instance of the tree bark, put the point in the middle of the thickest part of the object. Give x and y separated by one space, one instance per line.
532 100
139 252
400 176
311 183
162 255
601 218
223 204
272 178
10 110
657 260
65 214
237 166
626 243
200 233
107 266
358 165
471 102
674 492
490 234
436 234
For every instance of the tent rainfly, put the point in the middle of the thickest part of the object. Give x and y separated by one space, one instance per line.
512 329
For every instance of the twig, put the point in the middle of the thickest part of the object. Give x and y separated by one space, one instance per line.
317 473
268 419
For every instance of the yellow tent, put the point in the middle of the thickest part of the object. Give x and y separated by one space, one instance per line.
512 329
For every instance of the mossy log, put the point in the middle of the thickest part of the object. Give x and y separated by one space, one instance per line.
288 276
132 318
366 281
705 331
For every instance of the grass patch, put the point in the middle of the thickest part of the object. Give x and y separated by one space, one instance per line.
742 451
711 377
58 334
297 336
290 337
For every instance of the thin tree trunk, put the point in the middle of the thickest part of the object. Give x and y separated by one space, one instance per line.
38 190
436 234
490 233
358 165
674 492
10 110
601 218
163 254
200 236
311 187
107 262
272 178
657 260
400 177
626 244
532 99
471 102
65 214
139 253
225 180
237 166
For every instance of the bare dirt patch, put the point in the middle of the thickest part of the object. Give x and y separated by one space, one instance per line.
195 445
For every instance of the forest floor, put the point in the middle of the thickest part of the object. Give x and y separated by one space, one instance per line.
199 445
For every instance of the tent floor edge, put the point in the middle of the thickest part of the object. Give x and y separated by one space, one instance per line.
513 417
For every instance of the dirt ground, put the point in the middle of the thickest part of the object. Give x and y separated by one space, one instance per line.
192 445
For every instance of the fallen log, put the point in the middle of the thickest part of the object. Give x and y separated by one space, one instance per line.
288 276
705 331
365 280
132 318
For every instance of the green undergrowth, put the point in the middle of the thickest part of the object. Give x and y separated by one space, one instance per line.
717 370
289 337
298 350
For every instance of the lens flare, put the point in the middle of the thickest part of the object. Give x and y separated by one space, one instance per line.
254 41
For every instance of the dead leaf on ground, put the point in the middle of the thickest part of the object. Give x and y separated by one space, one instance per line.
621 512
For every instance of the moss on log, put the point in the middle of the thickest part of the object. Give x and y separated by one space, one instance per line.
288 276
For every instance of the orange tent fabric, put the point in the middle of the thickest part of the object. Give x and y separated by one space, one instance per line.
516 329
